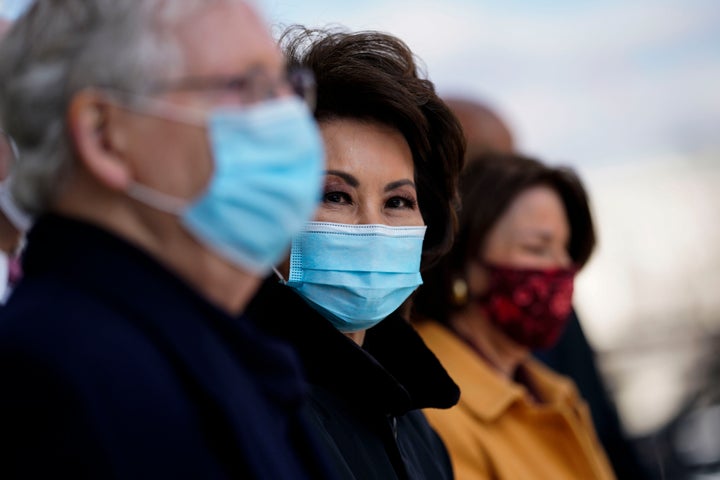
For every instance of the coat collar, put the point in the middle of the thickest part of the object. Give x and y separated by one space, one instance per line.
394 372
484 392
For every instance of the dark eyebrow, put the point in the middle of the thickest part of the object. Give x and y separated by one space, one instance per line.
399 183
352 181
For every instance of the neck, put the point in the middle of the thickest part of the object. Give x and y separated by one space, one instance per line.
502 353
357 337
162 237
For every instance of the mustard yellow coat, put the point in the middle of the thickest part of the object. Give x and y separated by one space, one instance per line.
497 432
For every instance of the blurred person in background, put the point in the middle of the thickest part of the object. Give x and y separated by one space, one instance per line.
13 221
505 290
486 132
167 176
394 150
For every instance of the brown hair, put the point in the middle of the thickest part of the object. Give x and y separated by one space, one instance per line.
372 76
488 186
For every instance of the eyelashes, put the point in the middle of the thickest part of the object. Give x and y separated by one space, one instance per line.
402 201
337 197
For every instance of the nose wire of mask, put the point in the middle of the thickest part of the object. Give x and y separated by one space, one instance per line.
355 275
267 177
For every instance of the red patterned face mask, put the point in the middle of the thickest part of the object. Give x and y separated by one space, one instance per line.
530 306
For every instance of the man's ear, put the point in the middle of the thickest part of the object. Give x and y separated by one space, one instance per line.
97 138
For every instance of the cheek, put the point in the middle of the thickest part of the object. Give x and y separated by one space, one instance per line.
333 214
177 160
403 218
202 166
416 219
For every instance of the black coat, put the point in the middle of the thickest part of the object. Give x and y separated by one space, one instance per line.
111 367
366 401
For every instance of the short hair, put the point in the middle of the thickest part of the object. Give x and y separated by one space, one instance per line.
373 76
60 47
488 186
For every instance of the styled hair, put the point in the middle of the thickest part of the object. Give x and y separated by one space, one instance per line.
488 186
60 47
373 76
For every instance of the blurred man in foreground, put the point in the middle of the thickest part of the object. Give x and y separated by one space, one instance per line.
167 163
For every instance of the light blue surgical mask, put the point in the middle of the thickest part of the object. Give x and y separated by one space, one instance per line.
355 275
267 178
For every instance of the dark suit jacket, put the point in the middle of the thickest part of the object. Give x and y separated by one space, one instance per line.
111 367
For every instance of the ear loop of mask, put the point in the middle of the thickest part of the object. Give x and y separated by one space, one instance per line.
157 200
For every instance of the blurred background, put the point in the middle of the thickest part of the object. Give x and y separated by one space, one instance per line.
627 93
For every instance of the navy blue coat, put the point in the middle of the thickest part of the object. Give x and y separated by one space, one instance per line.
365 402
111 367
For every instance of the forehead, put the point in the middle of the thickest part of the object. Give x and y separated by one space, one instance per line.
367 147
226 38
537 208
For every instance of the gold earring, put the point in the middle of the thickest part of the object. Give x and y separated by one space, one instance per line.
459 292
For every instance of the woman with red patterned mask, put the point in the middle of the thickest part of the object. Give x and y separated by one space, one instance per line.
505 290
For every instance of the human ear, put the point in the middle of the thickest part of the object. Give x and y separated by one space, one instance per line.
98 139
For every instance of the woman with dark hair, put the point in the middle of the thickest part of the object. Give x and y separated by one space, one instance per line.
394 151
504 290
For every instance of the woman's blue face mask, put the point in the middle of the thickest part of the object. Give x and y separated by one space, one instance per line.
355 275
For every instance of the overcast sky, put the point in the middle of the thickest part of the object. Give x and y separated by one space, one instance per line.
584 82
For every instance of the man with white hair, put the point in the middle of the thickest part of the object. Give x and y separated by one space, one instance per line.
167 162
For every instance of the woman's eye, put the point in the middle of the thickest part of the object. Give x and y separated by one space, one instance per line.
337 197
536 249
400 202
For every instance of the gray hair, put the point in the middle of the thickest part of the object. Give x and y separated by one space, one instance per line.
60 47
